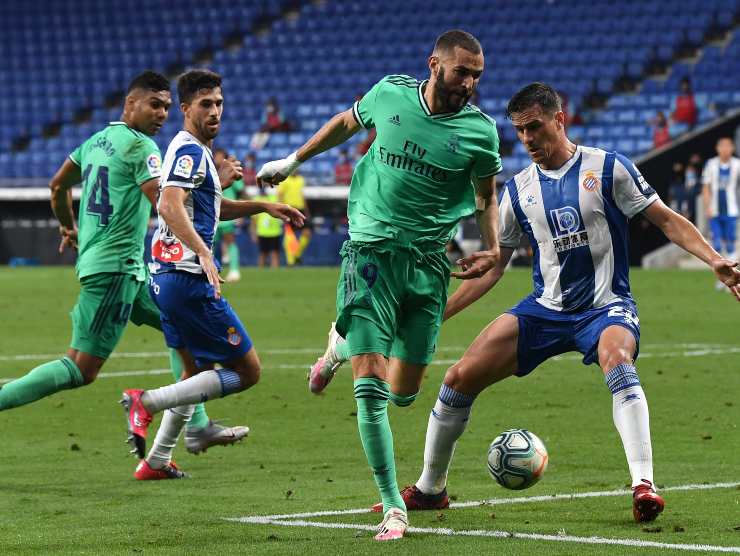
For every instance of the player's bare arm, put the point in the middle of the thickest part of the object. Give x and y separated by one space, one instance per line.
480 262
61 202
472 290
334 132
231 210
150 189
684 234
172 210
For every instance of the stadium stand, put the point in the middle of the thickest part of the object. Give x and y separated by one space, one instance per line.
316 57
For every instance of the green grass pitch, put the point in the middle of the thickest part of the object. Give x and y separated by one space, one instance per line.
66 484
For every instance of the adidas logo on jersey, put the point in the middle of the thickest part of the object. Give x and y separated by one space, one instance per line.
395 120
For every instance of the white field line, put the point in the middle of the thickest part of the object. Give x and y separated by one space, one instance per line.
496 534
514 500
304 366
293 520
680 349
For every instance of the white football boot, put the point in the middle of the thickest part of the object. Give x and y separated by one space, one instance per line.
327 365
393 526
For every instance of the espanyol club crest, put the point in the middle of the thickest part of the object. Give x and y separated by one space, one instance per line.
591 182
233 337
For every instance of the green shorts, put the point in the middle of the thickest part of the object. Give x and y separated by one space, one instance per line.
226 227
391 299
106 303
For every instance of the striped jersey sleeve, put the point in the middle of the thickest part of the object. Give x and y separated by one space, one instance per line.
632 193
510 232
186 169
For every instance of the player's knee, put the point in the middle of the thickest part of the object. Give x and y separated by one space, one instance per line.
613 357
250 375
402 400
88 375
455 377
89 369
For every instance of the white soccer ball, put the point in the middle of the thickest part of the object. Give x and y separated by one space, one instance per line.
517 459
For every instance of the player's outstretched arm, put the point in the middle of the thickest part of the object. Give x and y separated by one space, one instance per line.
471 291
334 132
480 262
61 184
173 212
684 234
231 210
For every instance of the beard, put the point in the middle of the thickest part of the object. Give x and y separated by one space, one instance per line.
452 99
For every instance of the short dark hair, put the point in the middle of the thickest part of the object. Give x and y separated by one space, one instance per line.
448 40
193 81
149 81
536 93
222 151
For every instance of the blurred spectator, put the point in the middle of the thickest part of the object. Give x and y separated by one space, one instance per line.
571 118
364 146
272 122
692 183
343 168
266 230
272 118
684 105
677 189
290 191
249 170
661 135
226 230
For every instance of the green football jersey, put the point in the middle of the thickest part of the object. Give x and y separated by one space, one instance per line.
416 181
234 192
114 213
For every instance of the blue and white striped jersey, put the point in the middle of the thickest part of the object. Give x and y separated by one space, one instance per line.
187 164
723 181
576 219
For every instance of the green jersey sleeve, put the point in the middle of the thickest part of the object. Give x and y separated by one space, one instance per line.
488 163
145 161
76 155
364 108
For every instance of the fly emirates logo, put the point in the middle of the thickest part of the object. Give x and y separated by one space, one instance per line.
412 160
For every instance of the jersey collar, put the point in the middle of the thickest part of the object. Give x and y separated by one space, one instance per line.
195 139
560 172
425 106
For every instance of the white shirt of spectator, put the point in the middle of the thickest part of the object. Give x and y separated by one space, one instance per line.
711 178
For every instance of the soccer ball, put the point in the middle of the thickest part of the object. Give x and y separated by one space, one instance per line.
517 459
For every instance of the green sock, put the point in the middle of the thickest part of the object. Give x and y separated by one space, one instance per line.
371 395
342 351
234 257
44 380
200 417
401 400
